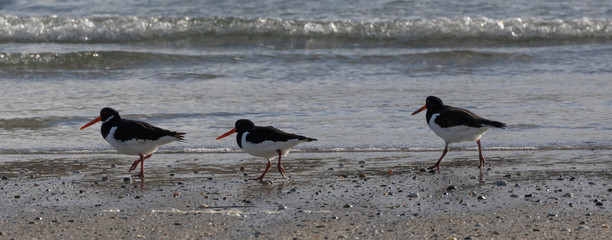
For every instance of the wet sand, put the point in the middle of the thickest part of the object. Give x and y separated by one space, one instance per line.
338 195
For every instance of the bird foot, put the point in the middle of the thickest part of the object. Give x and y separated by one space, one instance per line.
139 175
437 167
482 164
259 179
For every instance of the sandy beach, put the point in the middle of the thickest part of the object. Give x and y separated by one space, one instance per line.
343 195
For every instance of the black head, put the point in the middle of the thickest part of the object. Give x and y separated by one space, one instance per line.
240 127
109 114
433 102
243 125
106 115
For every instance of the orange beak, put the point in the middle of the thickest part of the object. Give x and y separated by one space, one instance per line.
227 134
91 123
420 110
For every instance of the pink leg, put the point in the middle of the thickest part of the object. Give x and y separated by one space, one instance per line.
141 161
437 165
135 164
482 161
260 178
141 173
281 170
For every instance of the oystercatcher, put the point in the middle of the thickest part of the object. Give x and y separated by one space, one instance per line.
133 137
455 125
267 142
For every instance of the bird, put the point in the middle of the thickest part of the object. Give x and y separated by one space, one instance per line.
454 125
133 137
267 142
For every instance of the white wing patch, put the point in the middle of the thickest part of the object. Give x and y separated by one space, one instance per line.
456 134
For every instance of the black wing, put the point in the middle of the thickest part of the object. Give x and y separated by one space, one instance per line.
130 130
452 116
261 134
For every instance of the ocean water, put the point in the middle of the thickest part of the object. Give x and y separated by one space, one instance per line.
348 73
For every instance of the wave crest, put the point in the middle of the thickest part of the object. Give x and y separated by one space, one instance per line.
111 29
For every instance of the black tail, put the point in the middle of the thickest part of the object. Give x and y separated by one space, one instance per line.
307 139
495 124
179 135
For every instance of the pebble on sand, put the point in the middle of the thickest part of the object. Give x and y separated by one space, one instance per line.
413 195
582 227
502 183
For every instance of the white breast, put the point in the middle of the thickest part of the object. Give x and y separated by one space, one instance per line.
267 149
456 134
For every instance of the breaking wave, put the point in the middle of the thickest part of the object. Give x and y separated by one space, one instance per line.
120 29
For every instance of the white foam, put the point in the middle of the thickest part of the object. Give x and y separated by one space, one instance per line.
133 28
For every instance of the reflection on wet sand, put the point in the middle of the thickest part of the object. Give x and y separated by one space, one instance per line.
170 169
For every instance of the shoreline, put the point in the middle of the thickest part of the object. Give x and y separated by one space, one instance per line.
370 196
